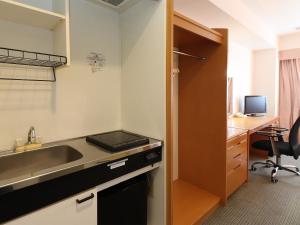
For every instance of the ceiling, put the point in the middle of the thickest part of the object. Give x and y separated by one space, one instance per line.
279 16
209 15
283 16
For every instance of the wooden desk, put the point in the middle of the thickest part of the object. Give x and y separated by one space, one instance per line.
234 132
252 124
240 136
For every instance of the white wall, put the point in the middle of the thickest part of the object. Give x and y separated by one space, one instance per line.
143 90
240 68
80 102
239 11
265 77
143 83
289 41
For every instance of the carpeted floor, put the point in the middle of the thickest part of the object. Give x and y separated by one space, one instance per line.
260 202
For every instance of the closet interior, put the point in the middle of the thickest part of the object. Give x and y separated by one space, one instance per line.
198 120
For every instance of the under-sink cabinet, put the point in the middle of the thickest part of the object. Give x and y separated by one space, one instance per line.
104 204
77 210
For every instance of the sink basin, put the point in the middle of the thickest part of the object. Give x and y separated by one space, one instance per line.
26 163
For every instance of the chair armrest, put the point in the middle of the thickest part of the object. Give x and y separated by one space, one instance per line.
269 133
279 129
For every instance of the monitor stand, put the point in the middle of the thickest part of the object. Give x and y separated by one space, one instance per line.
255 115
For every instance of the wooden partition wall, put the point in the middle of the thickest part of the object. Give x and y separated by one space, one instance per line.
202 115
201 122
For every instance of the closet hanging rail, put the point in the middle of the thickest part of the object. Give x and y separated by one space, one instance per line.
27 58
189 55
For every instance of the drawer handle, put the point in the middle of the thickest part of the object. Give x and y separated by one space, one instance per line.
79 201
238 166
117 164
238 155
241 142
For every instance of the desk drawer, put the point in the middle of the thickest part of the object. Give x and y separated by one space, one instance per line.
238 149
236 140
236 152
236 177
235 161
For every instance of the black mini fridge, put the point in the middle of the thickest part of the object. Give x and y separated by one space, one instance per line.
124 203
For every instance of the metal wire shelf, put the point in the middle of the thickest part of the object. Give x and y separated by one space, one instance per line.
27 58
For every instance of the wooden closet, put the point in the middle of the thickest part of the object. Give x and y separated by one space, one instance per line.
200 186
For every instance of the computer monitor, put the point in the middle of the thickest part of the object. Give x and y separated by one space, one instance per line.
255 105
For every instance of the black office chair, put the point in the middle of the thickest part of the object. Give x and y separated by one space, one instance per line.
276 146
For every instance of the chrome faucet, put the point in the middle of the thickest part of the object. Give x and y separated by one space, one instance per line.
31 136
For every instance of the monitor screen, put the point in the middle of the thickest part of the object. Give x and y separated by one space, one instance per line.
255 104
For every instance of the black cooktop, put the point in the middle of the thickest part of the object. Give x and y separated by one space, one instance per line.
116 141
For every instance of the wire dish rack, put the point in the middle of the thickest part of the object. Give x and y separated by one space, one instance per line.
27 58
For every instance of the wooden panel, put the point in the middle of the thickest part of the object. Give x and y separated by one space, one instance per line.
196 28
192 204
236 177
202 118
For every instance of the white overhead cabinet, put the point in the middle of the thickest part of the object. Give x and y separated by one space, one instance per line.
38 26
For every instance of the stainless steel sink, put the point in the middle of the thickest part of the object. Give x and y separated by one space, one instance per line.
20 164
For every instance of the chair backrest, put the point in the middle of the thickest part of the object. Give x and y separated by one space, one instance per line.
294 138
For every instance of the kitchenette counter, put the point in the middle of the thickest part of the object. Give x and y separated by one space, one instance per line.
64 169
92 156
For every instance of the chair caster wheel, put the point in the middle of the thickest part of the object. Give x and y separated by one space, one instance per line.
274 180
253 168
297 169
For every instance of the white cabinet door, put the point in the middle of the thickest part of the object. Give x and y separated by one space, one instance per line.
66 212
